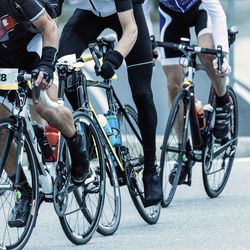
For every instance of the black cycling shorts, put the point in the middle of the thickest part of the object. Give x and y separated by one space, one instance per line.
175 25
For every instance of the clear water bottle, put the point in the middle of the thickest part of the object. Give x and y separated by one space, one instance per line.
208 114
104 123
200 114
42 140
113 122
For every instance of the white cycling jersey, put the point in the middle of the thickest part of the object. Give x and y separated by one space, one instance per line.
217 15
98 7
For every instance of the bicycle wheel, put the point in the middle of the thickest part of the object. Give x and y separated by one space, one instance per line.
133 165
219 155
171 155
13 237
111 213
84 204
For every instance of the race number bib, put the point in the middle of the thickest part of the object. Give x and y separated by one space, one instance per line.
8 79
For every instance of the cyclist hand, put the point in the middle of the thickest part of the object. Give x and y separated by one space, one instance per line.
156 55
226 68
111 61
45 77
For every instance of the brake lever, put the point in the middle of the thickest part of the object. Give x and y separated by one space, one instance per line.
95 56
220 58
34 74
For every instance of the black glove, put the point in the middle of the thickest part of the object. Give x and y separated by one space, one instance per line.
47 63
112 60
47 73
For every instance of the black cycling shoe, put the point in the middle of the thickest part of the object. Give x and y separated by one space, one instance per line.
20 213
152 187
79 156
222 121
183 174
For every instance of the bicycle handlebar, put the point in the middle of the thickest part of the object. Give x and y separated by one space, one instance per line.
193 49
43 94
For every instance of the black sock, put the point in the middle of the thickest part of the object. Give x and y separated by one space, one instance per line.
149 158
222 100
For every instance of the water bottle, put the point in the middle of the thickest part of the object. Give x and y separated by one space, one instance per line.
52 135
208 113
113 122
104 123
200 114
42 140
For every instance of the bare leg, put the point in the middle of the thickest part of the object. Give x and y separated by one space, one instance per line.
11 161
206 40
61 119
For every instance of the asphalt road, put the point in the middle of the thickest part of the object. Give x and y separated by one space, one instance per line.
193 221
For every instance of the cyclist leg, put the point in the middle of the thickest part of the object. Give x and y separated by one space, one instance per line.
174 26
223 102
139 64
81 29
61 119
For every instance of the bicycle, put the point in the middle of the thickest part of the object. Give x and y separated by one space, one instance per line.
78 209
216 155
124 163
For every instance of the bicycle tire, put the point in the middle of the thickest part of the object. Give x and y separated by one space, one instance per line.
135 158
171 155
111 213
12 237
216 172
85 204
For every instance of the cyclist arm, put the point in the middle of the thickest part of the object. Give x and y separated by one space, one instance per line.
219 23
129 27
220 35
50 39
48 30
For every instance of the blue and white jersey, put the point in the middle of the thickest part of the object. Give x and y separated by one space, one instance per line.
179 5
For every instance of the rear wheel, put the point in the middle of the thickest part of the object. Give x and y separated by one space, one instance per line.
84 204
219 155
13 237
133 164
171 155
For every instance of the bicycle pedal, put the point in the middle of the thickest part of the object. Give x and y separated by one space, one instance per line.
89 180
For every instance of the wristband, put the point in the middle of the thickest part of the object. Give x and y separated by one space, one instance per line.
115 58
49 57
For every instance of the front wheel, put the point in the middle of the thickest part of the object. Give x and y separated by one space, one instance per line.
85 203
111 213
171 156
15 237
219 155
133 163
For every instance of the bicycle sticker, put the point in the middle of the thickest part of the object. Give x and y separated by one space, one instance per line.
8 79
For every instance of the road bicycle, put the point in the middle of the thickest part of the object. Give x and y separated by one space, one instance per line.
124 163
216 155
79 208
